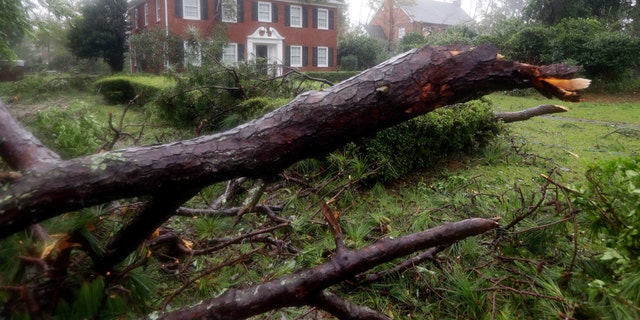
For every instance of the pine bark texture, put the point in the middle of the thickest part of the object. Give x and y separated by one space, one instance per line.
311 125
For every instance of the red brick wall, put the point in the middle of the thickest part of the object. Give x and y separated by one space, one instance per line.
237 32
391 23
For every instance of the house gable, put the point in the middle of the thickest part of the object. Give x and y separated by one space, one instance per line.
393 20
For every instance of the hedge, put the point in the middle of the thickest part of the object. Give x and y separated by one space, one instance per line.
122 88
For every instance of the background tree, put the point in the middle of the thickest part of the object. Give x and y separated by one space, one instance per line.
152 48
362 50
18 17
550 12
100 32
14 24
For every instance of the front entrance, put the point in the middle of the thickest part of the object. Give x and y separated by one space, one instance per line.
265 46
262 58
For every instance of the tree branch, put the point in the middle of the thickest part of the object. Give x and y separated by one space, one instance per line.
303 287
312 124
526 114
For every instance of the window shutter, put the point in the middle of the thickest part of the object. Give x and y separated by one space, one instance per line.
180 52
330 64
204 9
178 8
240 52
254 10
240 10
315 18
274 12
287 56
287 15
217 15
314 57
331 19
305 56
305 18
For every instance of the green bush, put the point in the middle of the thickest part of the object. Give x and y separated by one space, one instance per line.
420 142
122 88
70 132
611 201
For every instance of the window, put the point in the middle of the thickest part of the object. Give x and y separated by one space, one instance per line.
157 10
229 11
323 57
191 9
401 32
135 18
295 16
192 54
295 56
230 53
323 19
146 14
264 11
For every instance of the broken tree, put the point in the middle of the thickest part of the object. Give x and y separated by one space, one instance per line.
43 186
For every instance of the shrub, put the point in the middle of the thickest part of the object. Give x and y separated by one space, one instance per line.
123 88
424 140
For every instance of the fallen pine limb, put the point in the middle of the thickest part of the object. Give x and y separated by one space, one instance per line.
312 124
303 287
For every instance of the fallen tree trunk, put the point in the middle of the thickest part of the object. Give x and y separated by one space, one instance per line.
312 124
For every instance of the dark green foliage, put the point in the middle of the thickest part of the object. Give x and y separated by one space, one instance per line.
412 40
423 141
150 49
123 88
367 50
550 12
100 32
530 44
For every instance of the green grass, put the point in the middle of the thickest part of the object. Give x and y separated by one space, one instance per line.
518 276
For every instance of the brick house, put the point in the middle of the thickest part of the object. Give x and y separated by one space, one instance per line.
393 20
284 33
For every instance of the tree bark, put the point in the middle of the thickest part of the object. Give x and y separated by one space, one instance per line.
312 124
522 115
303 288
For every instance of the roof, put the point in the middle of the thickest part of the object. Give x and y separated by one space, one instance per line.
436 12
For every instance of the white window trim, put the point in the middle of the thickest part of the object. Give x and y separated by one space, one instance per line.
268 5
184 10
229 15
135 18
324 63
299 10
157 10
235 53
325 26
192 55
146 14
297 63
402 31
